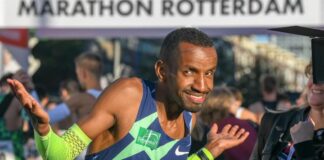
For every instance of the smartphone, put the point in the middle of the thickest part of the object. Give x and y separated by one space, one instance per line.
318 60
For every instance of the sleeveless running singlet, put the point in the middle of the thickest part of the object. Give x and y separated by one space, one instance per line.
146 139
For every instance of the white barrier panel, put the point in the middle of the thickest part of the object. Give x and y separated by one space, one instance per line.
159 13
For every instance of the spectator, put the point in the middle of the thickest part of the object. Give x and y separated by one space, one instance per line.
88 70
269 101
5 94
14 122
68 88
241 112
217 110
284 103
297 133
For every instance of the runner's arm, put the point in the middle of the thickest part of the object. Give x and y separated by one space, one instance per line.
79 136
70 145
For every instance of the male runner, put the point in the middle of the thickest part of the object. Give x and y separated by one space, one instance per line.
136 119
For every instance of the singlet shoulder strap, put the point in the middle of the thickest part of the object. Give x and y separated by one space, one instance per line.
148 105
188 120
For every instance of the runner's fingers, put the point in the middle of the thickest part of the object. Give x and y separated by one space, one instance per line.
12 85
213 129
244 137
226 129
239 133
34 106
233 130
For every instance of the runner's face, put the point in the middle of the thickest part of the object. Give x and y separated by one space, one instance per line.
190 79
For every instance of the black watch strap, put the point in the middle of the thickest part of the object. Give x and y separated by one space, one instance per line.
202 155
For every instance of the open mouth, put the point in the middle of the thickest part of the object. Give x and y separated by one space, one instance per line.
196 99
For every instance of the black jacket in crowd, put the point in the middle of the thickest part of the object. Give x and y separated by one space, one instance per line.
274 135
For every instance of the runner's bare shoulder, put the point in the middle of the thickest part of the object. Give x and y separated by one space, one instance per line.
122 94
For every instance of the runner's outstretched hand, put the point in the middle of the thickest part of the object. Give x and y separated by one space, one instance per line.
229 137
39 117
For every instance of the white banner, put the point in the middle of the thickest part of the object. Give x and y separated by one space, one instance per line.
159 13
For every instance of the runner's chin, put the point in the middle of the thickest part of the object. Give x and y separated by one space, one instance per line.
195 107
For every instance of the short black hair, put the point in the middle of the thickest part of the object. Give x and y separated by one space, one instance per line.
171 42
268 83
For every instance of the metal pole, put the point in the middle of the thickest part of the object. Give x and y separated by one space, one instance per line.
117 59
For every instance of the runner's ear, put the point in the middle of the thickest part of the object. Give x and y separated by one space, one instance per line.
160 70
